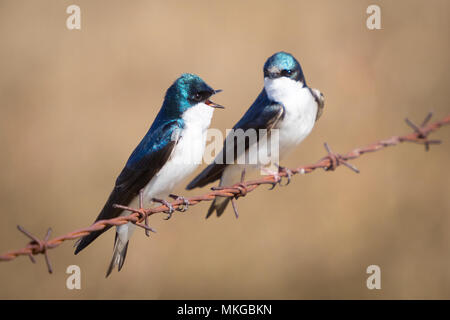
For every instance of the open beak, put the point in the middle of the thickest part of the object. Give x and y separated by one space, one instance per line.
212 104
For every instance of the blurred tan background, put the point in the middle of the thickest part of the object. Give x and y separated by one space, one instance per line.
74 104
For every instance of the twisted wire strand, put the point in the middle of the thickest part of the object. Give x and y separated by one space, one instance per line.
137 215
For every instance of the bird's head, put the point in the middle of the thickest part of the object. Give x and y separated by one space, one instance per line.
283 64
188 91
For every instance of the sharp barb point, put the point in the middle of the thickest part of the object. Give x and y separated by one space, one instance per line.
233 203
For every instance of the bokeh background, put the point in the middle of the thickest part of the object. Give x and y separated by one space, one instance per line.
74 104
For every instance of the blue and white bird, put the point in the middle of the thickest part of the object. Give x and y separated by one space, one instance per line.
286 103
168 153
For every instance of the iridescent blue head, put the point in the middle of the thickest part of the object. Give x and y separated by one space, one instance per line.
187 91
283 64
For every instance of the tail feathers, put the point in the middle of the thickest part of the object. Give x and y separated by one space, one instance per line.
211 173
119 255
219 205
86 240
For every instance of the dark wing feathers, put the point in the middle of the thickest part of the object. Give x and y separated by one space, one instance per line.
145 161
263 114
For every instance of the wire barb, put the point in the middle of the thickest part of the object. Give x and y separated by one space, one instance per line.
38 246
242 192
329 163
142 214
336 160
422 135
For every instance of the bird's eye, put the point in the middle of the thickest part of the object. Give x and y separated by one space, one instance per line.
197 97
286 72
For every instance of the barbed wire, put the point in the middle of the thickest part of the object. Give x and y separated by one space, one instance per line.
138 215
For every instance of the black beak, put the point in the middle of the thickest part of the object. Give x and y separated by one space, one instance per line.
212 104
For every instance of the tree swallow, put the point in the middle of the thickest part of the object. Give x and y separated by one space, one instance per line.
286 103
163 158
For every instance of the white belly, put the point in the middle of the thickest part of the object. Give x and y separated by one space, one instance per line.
300 115
300 111
186 156
184 159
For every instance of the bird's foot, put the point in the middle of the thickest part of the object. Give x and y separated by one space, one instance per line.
286 171
168 205
275 175
185 205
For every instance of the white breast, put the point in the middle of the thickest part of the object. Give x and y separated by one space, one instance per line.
187 154
181 163
300 107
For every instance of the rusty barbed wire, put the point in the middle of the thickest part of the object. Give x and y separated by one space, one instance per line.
138 215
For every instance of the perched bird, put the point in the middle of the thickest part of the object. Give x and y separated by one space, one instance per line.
169 152
286 103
